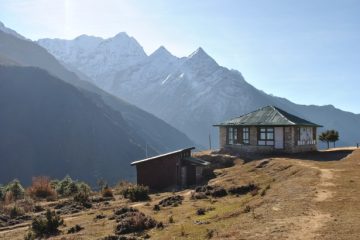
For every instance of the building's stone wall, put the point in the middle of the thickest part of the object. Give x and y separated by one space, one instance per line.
222 136
253 136
290 143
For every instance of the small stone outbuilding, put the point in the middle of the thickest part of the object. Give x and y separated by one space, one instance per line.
175 170
268 129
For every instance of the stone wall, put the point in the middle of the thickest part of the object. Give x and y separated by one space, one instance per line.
253 136
222 137
290 143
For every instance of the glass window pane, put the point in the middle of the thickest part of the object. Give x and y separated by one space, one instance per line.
262 136
270 136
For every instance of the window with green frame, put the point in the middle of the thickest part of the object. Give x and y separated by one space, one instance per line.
246 135
266 136
238 135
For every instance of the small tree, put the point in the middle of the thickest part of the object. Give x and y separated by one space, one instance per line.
16 189
45 226
323 138
41 188
333 136
329 136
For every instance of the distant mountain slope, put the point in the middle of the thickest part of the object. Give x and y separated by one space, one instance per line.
158 135
193 93
48 127
98 58
146 130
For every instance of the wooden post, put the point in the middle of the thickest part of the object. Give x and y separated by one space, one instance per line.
210 141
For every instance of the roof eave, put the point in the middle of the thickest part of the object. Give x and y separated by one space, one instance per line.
161 155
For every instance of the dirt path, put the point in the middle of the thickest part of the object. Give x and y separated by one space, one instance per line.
311 224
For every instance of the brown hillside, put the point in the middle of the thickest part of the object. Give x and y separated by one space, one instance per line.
312 196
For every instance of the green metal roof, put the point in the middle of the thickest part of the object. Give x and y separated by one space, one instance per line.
268 116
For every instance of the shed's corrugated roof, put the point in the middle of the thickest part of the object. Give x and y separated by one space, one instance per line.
268 116
197 161
162 155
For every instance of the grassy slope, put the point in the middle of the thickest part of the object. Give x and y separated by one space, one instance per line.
307 199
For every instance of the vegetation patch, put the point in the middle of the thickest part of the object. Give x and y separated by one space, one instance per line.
213 191
136 193
67 187
171 201
131 220
70 207
43 227
241 190
75 229
41 188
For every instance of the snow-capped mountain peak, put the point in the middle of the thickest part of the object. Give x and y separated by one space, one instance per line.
199 56
162 53
88 38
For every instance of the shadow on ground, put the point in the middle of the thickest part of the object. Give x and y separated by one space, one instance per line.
332 155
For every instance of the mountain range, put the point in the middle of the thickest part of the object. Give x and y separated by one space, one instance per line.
53 123
191 93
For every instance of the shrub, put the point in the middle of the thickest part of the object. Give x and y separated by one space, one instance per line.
130 220
247 209
16 212
2 192
174 201
41 188
54 183
200 211
83 199
16 189
171 219
209 233
67 187
27 204
107 192
121 186
241 190
136 193
75 229
156 207
46 226
84 188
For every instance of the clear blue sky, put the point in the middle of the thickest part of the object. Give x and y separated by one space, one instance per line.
306 51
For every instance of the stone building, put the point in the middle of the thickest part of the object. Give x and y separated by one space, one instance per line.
176 169
268 129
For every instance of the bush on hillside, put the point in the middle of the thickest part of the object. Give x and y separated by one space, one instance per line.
84 188
136 193
41 188
2 192
67 187
45 226
107 192
14 190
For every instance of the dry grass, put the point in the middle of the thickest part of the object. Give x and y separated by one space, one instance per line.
303 199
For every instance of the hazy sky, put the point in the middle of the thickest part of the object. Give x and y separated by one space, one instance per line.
306 51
